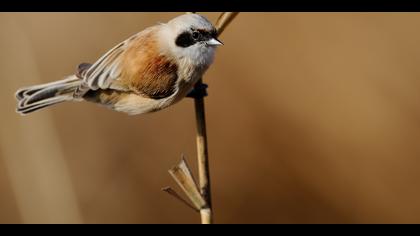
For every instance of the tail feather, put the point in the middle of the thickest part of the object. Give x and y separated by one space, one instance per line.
36 97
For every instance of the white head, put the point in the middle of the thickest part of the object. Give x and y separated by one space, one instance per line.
192 38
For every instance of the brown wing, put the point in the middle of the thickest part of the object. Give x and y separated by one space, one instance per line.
147 70
134 65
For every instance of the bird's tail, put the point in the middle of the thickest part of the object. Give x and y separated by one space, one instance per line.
36 97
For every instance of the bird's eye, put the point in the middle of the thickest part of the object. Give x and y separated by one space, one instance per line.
195 35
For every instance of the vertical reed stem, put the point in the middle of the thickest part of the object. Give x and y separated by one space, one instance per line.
203 160
202 150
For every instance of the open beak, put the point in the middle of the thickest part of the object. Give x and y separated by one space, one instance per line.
214 42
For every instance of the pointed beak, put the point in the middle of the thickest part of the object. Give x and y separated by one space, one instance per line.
214 42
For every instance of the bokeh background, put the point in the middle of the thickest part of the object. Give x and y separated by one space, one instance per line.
312 118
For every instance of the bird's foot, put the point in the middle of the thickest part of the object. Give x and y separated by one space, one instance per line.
199 91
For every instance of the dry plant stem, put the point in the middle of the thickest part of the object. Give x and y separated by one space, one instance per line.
202 148
224 20
182 175
173 193
203 161
199 196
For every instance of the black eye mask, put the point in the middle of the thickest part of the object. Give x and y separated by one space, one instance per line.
185 40
189 38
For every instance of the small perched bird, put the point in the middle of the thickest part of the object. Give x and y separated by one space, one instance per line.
149 71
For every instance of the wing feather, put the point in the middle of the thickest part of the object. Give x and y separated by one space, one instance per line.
105 70
135 65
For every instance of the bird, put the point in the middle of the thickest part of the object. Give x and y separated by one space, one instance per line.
147 72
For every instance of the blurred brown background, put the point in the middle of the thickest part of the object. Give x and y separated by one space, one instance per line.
312 118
